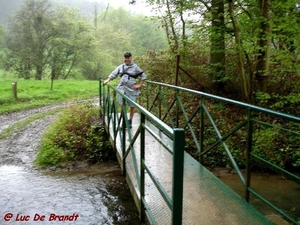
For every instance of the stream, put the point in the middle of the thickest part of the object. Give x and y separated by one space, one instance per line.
87 196
280 191
77 195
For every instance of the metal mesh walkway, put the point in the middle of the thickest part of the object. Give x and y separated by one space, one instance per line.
206 200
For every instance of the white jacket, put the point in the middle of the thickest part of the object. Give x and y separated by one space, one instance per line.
128 74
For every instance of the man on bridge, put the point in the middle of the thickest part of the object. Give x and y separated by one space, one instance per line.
129 72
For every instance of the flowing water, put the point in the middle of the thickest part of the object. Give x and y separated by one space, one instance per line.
87 196
280 191
81 196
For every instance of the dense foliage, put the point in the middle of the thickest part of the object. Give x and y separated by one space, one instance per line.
240 49
46 40
73 137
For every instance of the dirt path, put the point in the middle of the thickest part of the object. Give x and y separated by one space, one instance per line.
20 148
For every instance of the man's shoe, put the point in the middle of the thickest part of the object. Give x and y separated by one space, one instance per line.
130 123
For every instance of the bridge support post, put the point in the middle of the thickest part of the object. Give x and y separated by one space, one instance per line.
201 130
178 164
142 169
249 150
100 92
123 141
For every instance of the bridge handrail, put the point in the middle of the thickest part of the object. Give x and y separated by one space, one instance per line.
177 135
163 126
248 122
227 100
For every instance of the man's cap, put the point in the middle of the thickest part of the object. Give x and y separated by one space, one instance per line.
127 54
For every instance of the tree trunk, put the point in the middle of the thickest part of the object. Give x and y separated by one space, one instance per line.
264 45
53 75
170 29
217 51
239 52
39 72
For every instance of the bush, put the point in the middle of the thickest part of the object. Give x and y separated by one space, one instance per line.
72 137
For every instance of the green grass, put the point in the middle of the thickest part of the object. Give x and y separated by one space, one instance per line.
71 137
35 93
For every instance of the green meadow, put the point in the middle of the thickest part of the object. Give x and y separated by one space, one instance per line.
35 93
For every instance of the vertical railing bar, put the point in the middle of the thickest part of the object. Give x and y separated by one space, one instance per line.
248 155
178 167
101 100
159 103
188 123
123 140
142 168
177 70
108 108
114 108
201 129
177 109
100 96
147 96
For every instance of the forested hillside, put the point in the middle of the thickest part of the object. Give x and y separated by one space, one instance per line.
73 39
9 7
245 50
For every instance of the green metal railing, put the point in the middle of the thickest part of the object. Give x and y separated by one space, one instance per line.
118 127
199 114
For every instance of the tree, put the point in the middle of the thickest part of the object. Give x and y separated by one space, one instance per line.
2 46
119 31
264 45
244 83
255 33
217 50
44 38
29 34
146 34
72 37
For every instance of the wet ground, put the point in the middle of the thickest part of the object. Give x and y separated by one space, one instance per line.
84 195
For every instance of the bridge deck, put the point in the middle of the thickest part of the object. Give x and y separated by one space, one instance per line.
206 199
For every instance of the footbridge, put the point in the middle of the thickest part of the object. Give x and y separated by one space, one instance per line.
175 133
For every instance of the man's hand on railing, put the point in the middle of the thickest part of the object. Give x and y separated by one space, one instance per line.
106 81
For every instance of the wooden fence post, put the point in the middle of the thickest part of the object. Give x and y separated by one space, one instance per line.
14 90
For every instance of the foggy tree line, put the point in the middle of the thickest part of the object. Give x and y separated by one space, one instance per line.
46 40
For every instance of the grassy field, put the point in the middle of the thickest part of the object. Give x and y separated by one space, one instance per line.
35 93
